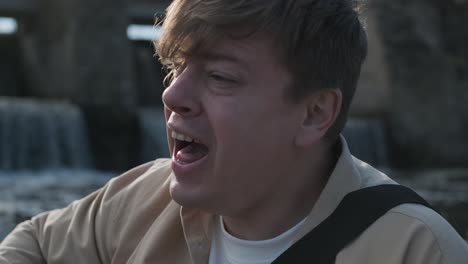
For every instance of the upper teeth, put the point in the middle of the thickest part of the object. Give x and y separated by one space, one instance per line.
181 137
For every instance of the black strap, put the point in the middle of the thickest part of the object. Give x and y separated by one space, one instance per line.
355 213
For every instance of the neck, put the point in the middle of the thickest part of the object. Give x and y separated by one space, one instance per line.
294 199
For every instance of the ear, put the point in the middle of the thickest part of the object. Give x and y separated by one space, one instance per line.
320 112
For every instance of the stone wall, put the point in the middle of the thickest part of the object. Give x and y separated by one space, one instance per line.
78 50
425 51
11 81
416 79
371 98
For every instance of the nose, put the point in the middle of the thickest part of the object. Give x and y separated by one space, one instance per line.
182 96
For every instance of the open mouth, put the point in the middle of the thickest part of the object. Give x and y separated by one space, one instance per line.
186 149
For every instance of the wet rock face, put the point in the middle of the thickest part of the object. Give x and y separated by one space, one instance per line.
79 51
11 83
425 48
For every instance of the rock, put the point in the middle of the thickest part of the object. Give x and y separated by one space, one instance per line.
425 46
11 83
114 136
149 75
78 50
153 134
371 98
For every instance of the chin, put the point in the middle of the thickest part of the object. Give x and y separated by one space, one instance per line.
184 194
192 196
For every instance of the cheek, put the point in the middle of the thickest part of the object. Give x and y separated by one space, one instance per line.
254 122
233 128
250 131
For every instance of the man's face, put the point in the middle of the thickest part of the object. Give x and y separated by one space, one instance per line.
230 128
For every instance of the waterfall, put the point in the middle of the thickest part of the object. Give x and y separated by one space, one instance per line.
41 135
366 140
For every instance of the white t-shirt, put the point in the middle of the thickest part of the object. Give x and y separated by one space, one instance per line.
227 249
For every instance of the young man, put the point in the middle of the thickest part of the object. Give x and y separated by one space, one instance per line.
259 93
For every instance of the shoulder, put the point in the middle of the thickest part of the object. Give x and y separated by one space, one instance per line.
156 171
149 175
134 202
409 233
147 183
425 223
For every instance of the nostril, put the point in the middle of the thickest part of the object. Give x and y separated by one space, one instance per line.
183 110
175 102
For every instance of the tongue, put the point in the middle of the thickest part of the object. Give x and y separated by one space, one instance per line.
191 153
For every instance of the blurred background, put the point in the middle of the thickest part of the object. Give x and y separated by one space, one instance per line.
80 99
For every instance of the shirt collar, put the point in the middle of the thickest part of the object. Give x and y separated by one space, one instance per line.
198 227
345 178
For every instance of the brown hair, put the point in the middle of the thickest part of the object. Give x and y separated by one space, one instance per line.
321 42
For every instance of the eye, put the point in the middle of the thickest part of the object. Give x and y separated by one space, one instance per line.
221 83
220 78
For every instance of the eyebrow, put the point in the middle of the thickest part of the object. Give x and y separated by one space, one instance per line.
217 56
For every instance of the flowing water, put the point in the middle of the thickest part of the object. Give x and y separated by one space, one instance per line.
42 135
366 140
24 194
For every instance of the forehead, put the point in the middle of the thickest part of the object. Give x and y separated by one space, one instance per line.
246 51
